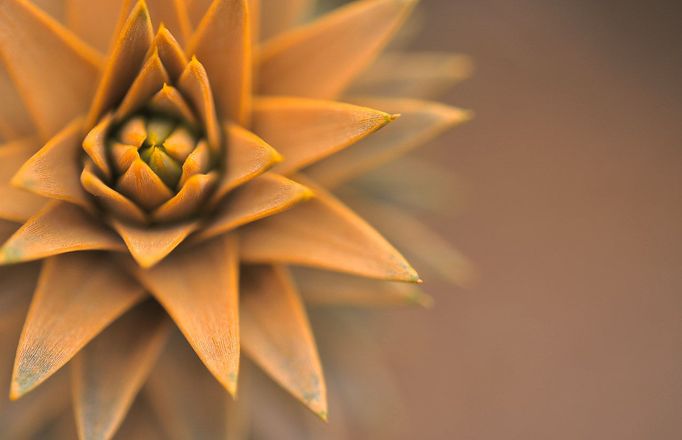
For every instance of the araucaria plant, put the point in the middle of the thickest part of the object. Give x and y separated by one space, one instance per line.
171 164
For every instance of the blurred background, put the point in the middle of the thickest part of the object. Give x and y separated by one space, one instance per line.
572 213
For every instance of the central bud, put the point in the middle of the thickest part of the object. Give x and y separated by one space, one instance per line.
170 148
160 167
172 151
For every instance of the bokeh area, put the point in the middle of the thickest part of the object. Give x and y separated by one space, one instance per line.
571 207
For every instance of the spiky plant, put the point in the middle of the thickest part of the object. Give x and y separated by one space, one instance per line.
177 179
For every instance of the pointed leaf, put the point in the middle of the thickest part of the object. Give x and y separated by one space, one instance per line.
109 372
321 59
111 199
180 144
322 288
149 245
262 197
418 241
195 87
305 131
148 82
18 418
277 336
169 100
122 156
198 162
324 233
17 204
39 53
134 131
170 52
223 44
78 295
420 121
188 200
125 61
55 169
95 144
57 229
144 186
247 157
198 287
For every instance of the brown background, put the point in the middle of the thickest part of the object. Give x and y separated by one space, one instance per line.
574 219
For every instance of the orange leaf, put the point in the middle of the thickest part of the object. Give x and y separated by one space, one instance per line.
419 242
180 144
319 60
305 131
148 82
198 162
198 287
54 170
78 295
144 186
53 70
195 87
277 336
420 122
125 61
57 229
134 131
149 245
109 372
222 42
122 155
326 234
322 288
262 197
95 144
111 199
247 157
170 51
18 418
169 100
188 200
